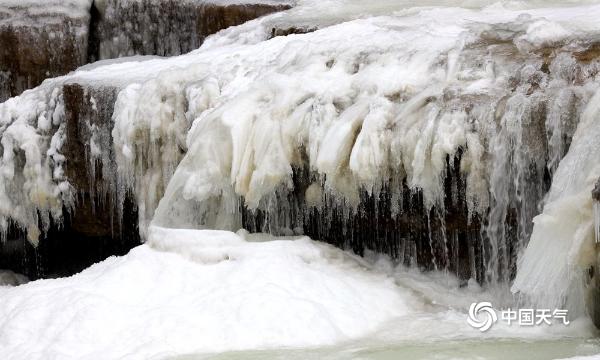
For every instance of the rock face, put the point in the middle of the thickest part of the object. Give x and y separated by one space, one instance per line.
593 295
90 170
171 28
593 276
44 40
39 43
596 192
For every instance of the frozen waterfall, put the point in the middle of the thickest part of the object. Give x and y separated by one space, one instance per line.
434 134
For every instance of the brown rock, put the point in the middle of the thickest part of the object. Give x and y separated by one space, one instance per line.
175 27
36 44
34 47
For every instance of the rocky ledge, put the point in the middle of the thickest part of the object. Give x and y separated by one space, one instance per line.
45 39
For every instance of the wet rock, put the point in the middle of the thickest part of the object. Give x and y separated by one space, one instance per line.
285 31
596 191
592 299
392 221
590 53
9 278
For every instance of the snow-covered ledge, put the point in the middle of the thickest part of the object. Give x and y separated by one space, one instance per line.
48 38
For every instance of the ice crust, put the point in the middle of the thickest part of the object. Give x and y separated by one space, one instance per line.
38 13
33 188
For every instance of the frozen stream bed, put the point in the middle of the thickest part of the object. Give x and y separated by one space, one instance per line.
192 293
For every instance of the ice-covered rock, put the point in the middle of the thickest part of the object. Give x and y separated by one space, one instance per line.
562 249
388 113
81 125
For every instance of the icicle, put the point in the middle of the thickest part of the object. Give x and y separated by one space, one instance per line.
596 205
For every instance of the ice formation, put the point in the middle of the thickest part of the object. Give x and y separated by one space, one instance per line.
271 130
407 93
564 231
33 188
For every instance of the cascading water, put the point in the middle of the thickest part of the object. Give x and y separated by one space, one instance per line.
566 225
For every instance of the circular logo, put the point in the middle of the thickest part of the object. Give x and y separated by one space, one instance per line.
482 316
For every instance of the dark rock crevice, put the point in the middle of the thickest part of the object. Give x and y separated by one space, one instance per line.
73 245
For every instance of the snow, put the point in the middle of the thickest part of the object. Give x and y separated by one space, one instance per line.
199 291
592 357
204 291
